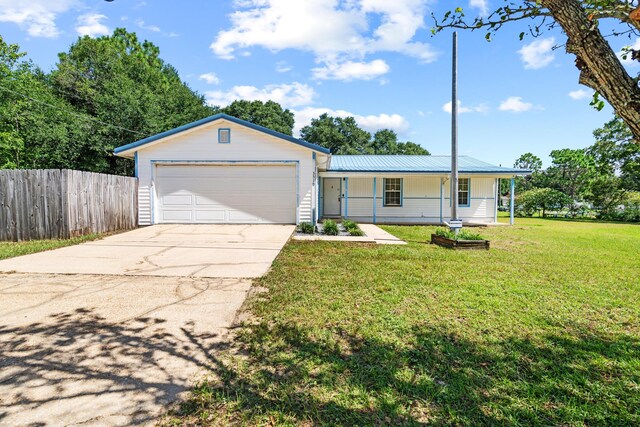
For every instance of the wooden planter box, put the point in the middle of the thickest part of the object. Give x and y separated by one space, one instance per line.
459 244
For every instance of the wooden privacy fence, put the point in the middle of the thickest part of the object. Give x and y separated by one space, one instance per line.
58 204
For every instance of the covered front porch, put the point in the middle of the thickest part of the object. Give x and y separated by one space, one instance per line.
409 198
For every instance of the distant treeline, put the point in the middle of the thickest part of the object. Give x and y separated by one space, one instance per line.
602 179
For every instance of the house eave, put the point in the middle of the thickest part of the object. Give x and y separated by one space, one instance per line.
370 173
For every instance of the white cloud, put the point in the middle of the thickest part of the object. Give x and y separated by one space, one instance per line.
38 17
628 61
480 108
210 78
579 94
140 23
288 95
481 5
334 31
283 67
350 70
515 104
537 54
369 123
90 25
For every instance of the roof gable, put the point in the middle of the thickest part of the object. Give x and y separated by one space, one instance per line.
221 116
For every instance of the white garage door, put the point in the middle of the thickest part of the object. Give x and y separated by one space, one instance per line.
226 194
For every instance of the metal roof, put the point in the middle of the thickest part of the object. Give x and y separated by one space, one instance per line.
414 164
220 116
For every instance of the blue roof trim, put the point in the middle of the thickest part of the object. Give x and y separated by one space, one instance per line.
415 164
215 117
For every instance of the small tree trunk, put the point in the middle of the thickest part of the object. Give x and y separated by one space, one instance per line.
600 68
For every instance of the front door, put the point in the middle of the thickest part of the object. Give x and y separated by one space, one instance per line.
331 196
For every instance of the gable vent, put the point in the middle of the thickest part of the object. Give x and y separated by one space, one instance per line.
224 136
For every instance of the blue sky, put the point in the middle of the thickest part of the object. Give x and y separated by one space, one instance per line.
373 59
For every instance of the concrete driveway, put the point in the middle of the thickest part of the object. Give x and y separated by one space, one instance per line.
115 347
166 250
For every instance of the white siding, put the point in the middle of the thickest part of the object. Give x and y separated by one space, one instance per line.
420 200
201 144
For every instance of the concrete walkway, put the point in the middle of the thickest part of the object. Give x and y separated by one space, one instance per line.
166 250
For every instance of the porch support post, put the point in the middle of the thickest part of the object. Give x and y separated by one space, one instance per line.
346 197
374 199
441 197
320 198
512 202
495 204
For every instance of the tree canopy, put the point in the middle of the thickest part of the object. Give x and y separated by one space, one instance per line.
119 80
599 66
605 174
342 135
268 114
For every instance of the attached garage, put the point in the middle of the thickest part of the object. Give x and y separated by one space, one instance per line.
227 193
223 170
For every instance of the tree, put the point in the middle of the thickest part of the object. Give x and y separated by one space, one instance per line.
530 162
413 149
570 171
615 153
340 135
130 91
385 141
599 66
268 114
541 199
344 136
37 129
606 194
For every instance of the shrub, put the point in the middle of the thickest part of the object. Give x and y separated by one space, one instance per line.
468 235
352 228
349 225
330 228
462 234
542 199
306 228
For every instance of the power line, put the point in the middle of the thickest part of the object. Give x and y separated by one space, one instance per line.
70 112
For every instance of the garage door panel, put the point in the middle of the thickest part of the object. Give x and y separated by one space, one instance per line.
210 215
219 194
177 215
176 199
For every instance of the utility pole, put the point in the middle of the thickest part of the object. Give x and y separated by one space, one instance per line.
455 224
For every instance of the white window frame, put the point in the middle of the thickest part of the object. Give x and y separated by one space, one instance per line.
385 203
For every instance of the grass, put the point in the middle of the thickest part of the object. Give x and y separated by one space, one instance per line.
543 329
13 249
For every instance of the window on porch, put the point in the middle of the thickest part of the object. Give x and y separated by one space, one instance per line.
392 192
464 184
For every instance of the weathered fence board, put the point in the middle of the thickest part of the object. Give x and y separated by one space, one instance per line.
57 204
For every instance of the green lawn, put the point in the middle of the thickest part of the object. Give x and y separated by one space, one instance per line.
544 329
12 249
